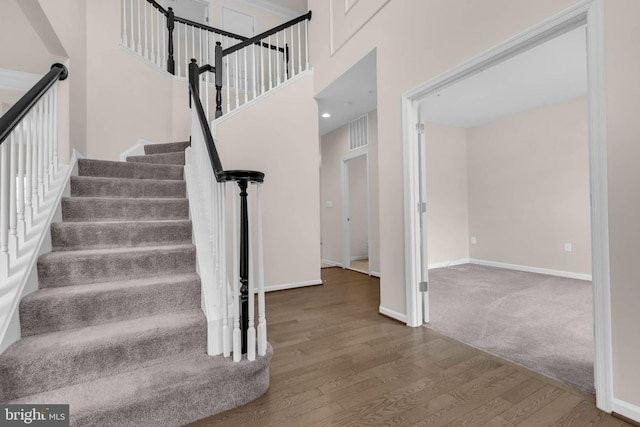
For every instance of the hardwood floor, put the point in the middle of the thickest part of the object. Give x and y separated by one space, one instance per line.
337 362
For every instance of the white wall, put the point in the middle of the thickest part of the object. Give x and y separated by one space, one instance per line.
334 148
279 136
447 197
358 216
529 188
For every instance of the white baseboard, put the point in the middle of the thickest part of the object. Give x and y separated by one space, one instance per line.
375 274
135 150
626 409
393 314
359 257
449 263
333 263
283 286
528 269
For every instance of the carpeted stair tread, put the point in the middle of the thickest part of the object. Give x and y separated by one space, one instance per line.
171 394
160 158
67 268
170 147
50 361
71 307
107 168
123 209
93 186
70 236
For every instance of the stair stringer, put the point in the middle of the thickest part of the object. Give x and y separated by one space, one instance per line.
211 294
23 279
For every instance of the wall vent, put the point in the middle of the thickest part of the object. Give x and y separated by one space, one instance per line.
358 133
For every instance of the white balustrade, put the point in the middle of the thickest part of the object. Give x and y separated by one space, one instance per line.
28 167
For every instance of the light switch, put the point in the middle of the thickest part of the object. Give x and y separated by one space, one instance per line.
328 203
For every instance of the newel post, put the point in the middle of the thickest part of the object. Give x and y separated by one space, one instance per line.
171 65
244 264
193 79
218 65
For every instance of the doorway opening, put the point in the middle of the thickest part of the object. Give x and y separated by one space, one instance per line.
355 212
418 297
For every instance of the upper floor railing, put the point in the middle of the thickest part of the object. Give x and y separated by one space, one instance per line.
28 164
247 67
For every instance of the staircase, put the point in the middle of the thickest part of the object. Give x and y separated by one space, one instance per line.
116 329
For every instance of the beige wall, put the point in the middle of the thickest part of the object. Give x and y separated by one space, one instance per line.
334 147
279 136
623 133
447 206
529 188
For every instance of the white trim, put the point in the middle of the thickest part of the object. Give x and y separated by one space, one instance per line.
17 80
547 271
591 13
333 263
449 263
24 278
359 257
283 286
375 274
246 105
626 409
135 150
270 7
393 314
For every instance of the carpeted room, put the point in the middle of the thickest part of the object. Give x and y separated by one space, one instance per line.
508 217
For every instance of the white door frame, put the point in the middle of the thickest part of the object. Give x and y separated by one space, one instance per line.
346 234
589 12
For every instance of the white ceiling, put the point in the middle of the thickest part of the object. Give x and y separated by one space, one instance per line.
549 73
350 96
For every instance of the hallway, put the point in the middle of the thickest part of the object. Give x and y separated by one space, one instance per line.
338 362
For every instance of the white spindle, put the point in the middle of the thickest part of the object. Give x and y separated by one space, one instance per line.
45 144
177 57
163 30
306 42
226 330
20 214
13 207
285 64
55 128
228 83
262 320
253 68
186 52
292 55
299 49
246 77
206 79
235 78
278 58
146 31
152 28
51 136
4 209
237 339
251 330
35 138
193 42
40 131
125 39
139 28
269 52
261 68
28 138
132 42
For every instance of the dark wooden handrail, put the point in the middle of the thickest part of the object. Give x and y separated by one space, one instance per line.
259 37
20 109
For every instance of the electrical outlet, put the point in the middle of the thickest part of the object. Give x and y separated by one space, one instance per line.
329 204
567 247
474 241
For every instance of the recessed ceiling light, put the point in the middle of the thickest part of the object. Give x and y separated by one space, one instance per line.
326 115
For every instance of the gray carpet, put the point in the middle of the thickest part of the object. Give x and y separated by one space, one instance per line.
115 328
544 323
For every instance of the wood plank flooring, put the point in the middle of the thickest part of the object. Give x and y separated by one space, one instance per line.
337 362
